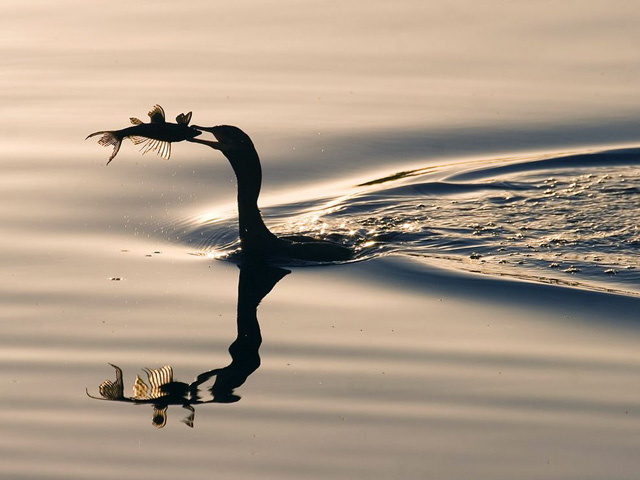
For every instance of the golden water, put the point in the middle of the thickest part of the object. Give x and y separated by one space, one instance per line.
396 367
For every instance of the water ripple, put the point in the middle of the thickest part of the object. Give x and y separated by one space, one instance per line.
569 219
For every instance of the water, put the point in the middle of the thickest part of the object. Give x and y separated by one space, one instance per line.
567 219
482 158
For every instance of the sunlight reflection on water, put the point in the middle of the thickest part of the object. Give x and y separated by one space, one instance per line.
389 368
566 219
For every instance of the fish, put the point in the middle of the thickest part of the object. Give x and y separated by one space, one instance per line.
157 135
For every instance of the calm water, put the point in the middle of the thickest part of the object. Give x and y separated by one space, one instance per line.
481 158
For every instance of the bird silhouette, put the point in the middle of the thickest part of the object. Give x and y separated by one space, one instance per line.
255 238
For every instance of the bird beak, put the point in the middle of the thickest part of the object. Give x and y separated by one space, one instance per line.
204 129
209 143
219 145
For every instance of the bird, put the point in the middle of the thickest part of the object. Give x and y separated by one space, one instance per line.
256 240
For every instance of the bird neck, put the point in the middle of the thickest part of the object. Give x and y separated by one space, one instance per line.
254 234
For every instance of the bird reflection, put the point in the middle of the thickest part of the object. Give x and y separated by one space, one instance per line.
160 390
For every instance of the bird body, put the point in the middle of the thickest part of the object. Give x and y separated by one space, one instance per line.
156 135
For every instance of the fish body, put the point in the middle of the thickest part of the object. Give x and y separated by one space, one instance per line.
156 135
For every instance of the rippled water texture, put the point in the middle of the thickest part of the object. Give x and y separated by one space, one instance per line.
483 159
568 218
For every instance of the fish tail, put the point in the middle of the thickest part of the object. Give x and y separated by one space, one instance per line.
109 138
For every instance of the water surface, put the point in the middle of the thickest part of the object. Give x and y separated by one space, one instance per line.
481 157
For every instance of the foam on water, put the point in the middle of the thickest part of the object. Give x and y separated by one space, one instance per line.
568 219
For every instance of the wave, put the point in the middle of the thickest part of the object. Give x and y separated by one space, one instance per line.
564 219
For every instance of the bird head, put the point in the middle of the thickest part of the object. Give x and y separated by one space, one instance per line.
229 138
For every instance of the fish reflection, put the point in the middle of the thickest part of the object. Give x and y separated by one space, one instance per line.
161 390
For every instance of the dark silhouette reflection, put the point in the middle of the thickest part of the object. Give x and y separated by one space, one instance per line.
256 240
161 390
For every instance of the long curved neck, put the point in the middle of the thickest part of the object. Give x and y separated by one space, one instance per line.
246 165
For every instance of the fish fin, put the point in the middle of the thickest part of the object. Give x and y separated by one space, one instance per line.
107 139
116 149
135 121
97 133
151 144
184 118
113 390
159 419
138 140
157 114
145 145
160 147
159 377
140 389
165 150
